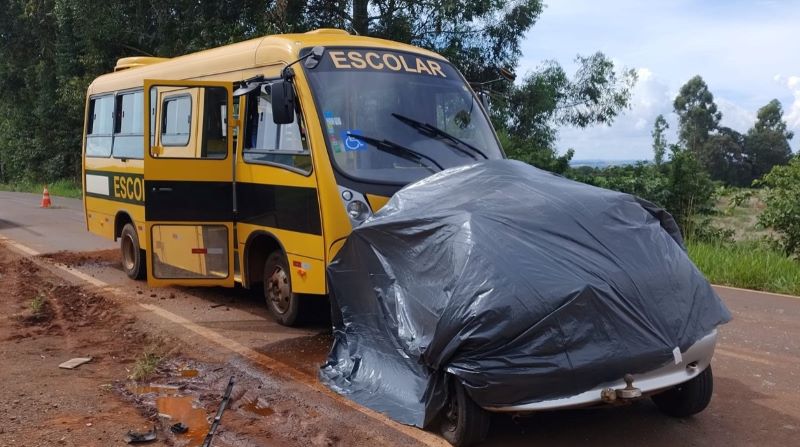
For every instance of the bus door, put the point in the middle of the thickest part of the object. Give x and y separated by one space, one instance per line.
188 175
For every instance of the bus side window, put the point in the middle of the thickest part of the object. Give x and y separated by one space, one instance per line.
99 132
129 128
215 113
267 142
176 120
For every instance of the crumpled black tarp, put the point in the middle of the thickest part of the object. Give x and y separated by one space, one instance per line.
524 285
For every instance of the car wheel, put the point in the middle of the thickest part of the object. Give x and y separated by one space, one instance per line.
133 257
687 398
463 422
283 304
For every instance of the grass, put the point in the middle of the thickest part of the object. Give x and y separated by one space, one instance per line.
37 304
61 188
146 365
747 264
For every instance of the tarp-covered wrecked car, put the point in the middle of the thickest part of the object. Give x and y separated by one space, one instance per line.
501 287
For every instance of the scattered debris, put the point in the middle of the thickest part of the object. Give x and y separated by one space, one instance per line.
74 363
178 428
225 399
133 437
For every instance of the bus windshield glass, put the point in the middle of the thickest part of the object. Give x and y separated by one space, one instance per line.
402 104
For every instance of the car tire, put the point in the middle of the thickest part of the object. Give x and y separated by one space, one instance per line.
462 422
133 257
282 303
688 398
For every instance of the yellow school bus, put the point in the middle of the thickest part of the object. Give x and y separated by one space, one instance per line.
252 162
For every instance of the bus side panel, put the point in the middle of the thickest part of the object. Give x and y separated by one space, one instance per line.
111 187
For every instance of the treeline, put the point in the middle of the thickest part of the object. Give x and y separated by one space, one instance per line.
50 50
684 175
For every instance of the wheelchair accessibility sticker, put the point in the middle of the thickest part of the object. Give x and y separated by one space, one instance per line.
352 143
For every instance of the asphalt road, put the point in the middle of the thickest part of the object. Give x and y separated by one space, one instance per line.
756 365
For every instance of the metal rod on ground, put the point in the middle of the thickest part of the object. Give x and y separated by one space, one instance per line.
218 417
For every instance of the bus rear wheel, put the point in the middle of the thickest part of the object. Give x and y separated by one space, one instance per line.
282 303
133 262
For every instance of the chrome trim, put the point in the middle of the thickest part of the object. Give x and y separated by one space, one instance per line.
694 361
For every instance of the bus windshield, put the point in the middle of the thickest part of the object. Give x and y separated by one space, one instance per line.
396 117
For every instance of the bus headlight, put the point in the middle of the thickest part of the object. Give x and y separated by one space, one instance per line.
355 204
358 210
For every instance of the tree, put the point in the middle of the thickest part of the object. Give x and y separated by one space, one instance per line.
659 139
689 189
50 50
783 206
478 36
697 114
724 158
548 98
767 142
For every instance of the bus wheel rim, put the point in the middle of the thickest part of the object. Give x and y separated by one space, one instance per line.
280 293
128 254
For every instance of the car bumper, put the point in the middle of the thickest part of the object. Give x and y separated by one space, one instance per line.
694 360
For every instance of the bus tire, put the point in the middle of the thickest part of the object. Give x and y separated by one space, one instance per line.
282 303
133 257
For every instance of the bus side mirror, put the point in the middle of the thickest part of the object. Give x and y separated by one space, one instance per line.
282 102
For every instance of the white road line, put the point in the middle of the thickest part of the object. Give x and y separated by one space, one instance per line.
251 354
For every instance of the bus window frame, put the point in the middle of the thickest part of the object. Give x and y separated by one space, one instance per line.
117 94
90 111
175 97
302 114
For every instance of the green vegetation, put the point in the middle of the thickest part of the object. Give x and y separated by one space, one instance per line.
750 265
61 188
782 199
146 364
37 304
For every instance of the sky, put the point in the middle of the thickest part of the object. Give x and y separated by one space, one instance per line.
746 51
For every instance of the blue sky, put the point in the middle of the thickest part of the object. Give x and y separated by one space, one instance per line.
747 52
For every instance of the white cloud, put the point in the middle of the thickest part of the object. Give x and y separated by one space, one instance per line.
742 49
792 113
629 136
735 116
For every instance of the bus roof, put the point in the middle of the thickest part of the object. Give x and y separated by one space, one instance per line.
236 61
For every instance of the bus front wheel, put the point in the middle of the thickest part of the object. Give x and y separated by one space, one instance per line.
283 304
133 262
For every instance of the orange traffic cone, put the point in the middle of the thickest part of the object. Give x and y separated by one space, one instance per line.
46 198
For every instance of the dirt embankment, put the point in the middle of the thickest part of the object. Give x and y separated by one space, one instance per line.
48 321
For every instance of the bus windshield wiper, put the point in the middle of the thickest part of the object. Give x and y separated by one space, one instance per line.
397 150
431 130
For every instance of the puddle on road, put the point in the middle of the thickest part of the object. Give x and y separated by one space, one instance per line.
189 372
258 408
177 408
181 409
